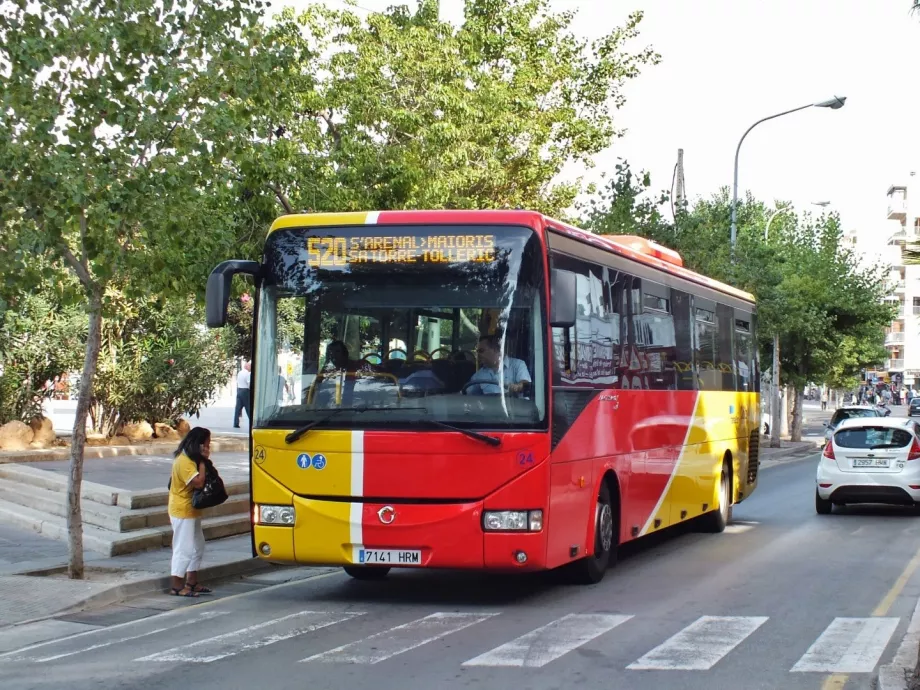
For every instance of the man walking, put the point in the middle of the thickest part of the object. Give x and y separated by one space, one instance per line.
242 395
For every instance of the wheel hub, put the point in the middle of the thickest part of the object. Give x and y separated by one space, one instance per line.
605 527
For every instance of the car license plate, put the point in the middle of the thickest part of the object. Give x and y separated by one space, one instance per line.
390 556
870 462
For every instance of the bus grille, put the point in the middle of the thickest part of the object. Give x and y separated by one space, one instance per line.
753 456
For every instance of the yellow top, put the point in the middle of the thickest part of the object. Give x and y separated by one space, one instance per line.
184 470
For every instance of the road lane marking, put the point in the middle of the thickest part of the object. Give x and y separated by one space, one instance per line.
204 616
700 645
848 645
402 638
549 642
168 614
242 640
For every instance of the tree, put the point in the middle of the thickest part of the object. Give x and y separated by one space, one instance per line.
115 127
401 110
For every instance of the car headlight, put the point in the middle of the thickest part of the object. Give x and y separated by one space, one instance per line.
273 515
512 520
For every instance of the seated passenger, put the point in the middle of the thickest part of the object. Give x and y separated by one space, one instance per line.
516 377
337 359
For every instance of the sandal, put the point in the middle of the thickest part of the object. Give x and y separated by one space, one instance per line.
201 589
178 592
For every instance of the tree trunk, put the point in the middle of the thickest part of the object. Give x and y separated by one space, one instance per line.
798 401
78 443
776 404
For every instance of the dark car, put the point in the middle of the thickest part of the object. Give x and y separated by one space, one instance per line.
849 412
914 407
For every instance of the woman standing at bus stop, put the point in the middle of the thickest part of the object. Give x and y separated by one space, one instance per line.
189 471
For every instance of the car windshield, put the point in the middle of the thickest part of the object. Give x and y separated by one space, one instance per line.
402 326
840 415
873 438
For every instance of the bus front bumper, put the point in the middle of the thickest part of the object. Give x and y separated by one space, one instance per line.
426 535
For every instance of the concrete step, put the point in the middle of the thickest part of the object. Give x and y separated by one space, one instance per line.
112 518
152 498
110 543
32 476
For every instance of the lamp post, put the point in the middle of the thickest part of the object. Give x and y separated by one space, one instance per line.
834 103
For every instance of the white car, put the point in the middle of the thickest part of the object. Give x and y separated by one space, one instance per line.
848 412
870 460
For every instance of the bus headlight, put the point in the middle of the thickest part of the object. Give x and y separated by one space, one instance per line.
274 515
512 520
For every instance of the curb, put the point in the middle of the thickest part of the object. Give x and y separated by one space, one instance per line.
790 453
119 593
222 445
894 676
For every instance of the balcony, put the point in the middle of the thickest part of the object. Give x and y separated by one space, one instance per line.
897 209
894 338
894 365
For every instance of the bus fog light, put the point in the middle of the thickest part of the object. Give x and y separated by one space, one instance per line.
265 549
276 515
520 556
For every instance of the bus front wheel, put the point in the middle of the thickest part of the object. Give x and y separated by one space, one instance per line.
590 570
367 573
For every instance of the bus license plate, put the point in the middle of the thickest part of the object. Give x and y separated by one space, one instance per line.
390 556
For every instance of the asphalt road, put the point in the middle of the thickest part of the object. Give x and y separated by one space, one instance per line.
784 599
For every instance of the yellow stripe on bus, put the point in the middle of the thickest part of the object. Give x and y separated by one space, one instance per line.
302 220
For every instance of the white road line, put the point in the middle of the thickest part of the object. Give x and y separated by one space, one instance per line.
700 645
848 645
232 643
549 642
402 638
204 616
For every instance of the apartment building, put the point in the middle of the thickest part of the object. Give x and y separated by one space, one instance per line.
902 338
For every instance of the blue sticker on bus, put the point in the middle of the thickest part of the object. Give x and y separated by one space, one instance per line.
319 461
303 461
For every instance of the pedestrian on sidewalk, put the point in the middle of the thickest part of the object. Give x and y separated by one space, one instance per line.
243 380
189 470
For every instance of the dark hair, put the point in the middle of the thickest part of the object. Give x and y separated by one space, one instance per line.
192 443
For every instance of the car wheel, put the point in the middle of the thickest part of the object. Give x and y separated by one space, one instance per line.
823 506
371 573
591 569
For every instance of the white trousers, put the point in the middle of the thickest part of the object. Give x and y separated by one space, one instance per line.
187 545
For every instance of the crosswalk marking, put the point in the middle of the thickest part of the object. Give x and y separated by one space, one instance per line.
402 638
848 645
700 645
232 643
204 616
549 642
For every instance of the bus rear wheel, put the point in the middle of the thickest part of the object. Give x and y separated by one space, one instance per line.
591 569
367 573
717 520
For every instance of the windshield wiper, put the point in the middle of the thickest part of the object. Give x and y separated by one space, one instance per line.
491 440
297 433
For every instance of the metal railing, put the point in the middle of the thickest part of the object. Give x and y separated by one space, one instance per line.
894 364
891 338
897 206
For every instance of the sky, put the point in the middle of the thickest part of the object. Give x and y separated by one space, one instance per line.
727 63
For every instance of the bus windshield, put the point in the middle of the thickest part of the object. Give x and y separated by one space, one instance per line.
390 326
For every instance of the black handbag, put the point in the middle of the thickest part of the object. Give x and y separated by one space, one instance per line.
213 492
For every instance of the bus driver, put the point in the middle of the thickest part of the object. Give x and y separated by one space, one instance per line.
516 377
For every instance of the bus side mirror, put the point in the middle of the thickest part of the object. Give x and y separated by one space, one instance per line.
562 298
218 292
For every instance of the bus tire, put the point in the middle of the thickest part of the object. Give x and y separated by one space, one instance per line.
718 519
591 569
366 573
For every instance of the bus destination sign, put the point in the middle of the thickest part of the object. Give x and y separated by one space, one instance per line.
324 252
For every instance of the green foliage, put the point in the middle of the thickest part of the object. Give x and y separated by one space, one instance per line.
157 364
401 110
39 340
237 334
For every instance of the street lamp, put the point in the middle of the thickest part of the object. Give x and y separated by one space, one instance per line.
834 103
766 232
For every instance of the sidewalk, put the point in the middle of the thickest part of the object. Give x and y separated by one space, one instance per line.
39 587
789 451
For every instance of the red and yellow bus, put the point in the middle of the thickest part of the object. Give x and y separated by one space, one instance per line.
487 390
